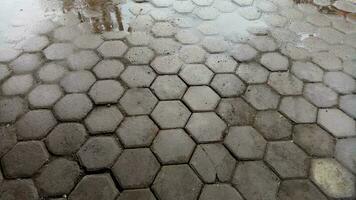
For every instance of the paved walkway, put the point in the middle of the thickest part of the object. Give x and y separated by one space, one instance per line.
204 99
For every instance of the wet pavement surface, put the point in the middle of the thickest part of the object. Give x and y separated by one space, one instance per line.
178 100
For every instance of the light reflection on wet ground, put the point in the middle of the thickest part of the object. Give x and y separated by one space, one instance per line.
270 65
115 15
17 15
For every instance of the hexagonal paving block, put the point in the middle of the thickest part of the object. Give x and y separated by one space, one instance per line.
285 83
43 26
73 107
299 189
136 168
169 87
137 131
103 120
314 140
35 43
139 38
173 146
196 74
221 63
267 6
88 41
33 153
206 127
336 122
263 43
51 73
99 153
235 111
252 73
213 162
177 182
301 27
187 36
8 54
66 138
106 91
169 64
275 20
17 85
327 61
275 61
273 125
165 46
245 142
58 177
262 97
35 124
59 51
163 29
298 109
215 44
44 96
114 35
137 194
348 104
78 81
206 13
320 95
108 68
95 187
139 55
228 85
82 60
340 82
332 178
11 109
171 114
192 54
225 6
315 44
243 52
250 13
26 63
112 49
201 98
66 33
287 159
220 191
19 189
344 151
254 180
344 52
307 71
138 101
138 76
295 52
7 139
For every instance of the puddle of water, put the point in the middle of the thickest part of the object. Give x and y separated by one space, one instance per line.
329 9
103 15
15 14
113 15
234 27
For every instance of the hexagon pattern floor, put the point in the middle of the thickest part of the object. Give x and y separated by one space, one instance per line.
204 99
